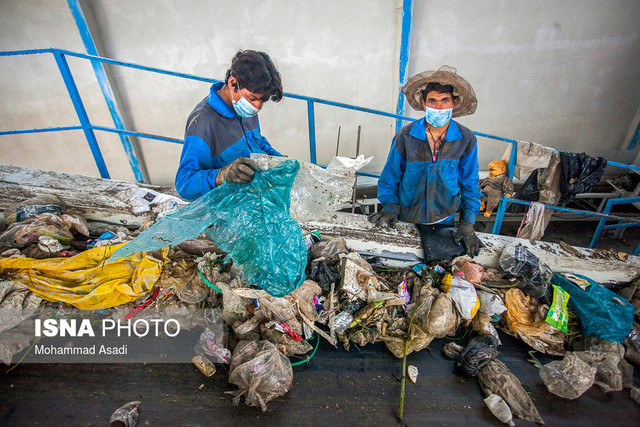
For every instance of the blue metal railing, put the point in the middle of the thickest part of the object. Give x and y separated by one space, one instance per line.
88 128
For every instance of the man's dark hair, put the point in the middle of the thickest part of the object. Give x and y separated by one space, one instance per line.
256 73
439 88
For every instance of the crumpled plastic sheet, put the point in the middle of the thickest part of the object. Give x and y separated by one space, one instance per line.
86 281
181 274
418 340
316 192
605 356
568 378
261 373
534 276
442 317
248 221
17 304
496 378
329 248
525 319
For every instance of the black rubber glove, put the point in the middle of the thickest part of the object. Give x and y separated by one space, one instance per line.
383 218
467 236
240 170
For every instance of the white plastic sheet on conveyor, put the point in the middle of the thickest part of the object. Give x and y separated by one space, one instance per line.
318 192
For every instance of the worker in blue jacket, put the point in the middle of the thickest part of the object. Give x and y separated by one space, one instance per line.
223 129
432 169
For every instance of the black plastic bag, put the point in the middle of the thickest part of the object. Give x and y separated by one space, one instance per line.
580 173
534 277
478 353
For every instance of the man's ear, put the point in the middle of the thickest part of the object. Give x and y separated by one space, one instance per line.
456 101
232 83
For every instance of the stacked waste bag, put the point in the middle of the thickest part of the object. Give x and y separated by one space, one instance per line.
270 299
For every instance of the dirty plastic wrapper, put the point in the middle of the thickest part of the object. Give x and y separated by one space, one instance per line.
85 280
261 373
496 378
248 221
463 294
568 378
558 314
534 277
213 345
342 321
316 192
601 312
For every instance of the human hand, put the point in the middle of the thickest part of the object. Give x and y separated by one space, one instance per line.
467 235
383 218
240 170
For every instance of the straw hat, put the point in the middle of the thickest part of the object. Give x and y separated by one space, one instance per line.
445 75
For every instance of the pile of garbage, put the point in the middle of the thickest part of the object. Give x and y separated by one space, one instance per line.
47 254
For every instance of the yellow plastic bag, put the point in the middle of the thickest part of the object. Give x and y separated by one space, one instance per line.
525 319
86 280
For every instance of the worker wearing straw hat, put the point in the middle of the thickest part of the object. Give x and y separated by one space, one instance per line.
432 168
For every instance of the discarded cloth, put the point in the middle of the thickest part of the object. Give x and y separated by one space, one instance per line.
86 280
530 156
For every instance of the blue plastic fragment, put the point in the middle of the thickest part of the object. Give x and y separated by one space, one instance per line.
250 222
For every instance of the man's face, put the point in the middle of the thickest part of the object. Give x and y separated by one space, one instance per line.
439 101
254 98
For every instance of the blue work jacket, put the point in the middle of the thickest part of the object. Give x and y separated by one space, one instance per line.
422 191
214 137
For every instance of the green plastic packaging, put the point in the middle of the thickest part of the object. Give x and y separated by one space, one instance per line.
558 314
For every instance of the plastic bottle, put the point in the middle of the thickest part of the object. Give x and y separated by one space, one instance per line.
312 238
499 408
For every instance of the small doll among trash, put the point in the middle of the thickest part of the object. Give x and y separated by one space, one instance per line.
494 186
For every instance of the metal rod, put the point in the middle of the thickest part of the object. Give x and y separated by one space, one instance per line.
22 131
338 142
312 131
103 81
355 181
82 113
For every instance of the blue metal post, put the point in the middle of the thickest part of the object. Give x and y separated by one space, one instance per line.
312 132
101 75
405 42
607 208
82 113
637 252
502 207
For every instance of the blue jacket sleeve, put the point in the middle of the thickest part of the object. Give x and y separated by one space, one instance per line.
468 180
195 177
389 182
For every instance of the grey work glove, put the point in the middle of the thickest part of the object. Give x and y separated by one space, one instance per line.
240 170
383 218
467 236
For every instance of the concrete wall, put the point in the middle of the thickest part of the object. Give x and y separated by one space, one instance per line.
565 74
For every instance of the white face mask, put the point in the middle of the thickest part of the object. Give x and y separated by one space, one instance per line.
242 107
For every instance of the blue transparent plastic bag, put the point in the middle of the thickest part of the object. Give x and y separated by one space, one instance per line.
601 312
248 221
